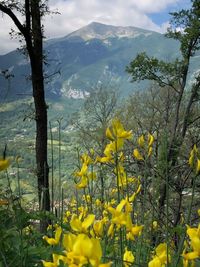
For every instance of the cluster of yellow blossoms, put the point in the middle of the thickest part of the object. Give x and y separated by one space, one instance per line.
194 159
82 244
86 229
78 249
107 220
4 164
193 246
83 174
145 145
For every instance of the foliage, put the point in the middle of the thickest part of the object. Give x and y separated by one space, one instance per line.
21 243
102 223
180 116
112 222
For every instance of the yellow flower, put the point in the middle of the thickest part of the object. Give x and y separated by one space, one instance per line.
68 241
194 234
191 158
83 245
137 154
117 131
98 202
111 230
155 225
86 159
132 198
4 164
133 230
78 249
145 145
109 134
54 241
150 140
121 175
198 211
155 262
82 250
198 166
150 150
83 170
108 157
136 230
79 226
141 141
128 258
83 183
86 198
118 216
160 258
194 160
110 151
56 260
98 227
83 211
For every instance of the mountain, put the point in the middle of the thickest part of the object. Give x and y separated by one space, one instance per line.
80 61
101 31
75 64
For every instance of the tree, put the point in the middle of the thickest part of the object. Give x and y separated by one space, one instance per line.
31 31
185 27
99 108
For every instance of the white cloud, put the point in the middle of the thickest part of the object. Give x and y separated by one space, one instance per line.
6 42
152 6
78 13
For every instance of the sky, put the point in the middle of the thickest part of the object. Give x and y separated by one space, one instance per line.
74 14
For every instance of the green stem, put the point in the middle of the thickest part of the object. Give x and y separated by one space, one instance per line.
180 248
62 206
102 185
59 167
167 214
118 199
52 169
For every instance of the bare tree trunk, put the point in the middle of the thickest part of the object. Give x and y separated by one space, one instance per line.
40 110
32 33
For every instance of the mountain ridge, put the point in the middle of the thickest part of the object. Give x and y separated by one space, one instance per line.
97 30
92 55
103 31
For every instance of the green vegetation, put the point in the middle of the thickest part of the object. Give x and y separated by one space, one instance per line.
100 222
123 178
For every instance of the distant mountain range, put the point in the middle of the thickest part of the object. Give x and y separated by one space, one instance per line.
96 54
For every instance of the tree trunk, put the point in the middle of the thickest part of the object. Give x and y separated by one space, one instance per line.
32 33
36 59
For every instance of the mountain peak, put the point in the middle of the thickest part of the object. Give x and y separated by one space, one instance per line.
102 31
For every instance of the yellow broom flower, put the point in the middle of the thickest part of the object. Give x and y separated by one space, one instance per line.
4 164
128 258
54 241
141 141
137 154
79 226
